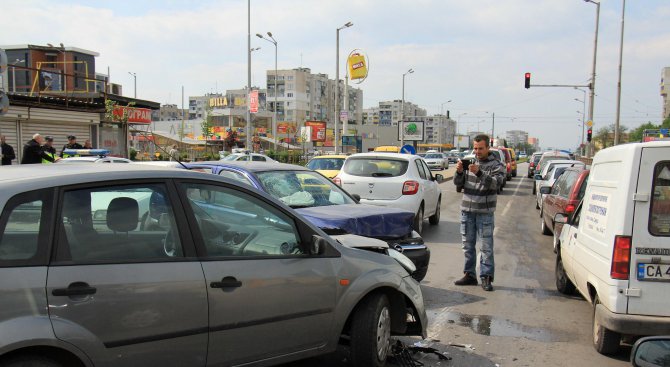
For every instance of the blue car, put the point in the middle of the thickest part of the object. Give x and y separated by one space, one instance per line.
327 206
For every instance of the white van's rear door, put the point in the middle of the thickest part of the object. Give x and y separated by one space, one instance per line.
650 253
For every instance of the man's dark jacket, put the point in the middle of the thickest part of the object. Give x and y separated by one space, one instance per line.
7 154
33 153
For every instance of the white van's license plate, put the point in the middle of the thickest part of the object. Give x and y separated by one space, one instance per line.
653 272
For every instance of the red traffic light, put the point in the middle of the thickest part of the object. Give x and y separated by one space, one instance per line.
589 134
527 80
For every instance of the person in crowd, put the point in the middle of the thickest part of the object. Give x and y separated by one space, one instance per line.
48 150
88 145
7 151
71 144
480 182
33 152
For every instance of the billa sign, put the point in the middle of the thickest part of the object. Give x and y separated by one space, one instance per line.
357 65
135 115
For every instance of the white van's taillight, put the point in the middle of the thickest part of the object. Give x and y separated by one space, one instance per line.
337 181
410 188
621 258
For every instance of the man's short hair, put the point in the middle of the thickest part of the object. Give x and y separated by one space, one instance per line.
35 136
482 137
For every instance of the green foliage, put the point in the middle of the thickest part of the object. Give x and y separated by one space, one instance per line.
109 111
637 134
132 154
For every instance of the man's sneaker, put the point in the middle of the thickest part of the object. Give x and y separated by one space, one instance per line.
466 280
486 284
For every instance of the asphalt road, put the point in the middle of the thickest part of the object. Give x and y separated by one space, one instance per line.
524 321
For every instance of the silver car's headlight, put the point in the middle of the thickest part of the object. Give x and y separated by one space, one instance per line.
403 260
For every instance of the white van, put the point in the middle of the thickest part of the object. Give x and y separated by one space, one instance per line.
616 249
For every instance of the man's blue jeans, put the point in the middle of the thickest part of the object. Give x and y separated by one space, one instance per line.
474 225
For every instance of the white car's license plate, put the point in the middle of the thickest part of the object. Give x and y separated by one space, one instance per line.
653 272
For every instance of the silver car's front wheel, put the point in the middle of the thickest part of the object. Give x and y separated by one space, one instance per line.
371 332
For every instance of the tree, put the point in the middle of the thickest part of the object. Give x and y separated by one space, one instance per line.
206 125
666 123
605 135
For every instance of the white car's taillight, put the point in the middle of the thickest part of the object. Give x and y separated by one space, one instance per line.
410 188
621 258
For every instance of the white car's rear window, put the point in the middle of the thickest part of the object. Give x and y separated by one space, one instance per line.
375 167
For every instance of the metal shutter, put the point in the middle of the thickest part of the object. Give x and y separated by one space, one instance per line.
58 131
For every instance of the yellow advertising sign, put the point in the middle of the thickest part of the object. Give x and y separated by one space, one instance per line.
218 102
358 68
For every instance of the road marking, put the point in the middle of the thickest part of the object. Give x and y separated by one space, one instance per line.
509 203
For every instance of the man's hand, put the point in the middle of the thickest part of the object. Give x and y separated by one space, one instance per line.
474 168
459 166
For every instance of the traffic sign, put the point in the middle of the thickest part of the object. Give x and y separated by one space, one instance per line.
589 123
408 149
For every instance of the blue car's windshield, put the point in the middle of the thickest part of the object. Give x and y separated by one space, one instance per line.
302 189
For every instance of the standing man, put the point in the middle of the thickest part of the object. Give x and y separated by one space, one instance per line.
7 152
174 153
480 182
48 150
33 152
71 144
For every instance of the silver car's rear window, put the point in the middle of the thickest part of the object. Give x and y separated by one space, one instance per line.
375 167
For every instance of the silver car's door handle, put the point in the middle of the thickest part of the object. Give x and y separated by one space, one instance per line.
74 289
226 282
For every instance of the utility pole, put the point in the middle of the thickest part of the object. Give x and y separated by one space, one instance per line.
247 143
617 133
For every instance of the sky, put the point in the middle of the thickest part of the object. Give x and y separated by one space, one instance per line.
472 53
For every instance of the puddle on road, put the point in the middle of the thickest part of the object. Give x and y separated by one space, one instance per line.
494 326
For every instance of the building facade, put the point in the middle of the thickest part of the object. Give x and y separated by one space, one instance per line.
515 138
389 111
169 112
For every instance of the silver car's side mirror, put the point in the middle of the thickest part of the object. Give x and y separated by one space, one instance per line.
545 190
653 351
318 245
561 218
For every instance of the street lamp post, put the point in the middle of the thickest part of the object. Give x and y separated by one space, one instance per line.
402 110
441 122
247 143
592 85
337 81
617 133
274 118
134 82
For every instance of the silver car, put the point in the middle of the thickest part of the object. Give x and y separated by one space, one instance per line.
130 265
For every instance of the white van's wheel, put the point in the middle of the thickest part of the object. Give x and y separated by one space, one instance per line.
604 340
371 332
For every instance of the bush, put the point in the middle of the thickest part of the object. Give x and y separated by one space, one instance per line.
132 155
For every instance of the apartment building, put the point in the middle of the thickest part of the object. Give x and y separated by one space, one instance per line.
515 138
389 111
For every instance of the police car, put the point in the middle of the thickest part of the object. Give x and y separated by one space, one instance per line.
91 156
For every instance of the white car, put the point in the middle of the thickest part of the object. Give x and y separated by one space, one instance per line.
397 180
436 161
254 157
615 248
547 166
548 181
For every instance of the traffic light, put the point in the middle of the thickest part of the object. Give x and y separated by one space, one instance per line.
527 81
589 133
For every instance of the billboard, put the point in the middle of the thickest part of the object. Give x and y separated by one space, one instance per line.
462 141
253 101
318 132
286 128
410 130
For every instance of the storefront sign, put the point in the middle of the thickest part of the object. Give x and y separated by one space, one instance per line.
135 115
318 132
253 101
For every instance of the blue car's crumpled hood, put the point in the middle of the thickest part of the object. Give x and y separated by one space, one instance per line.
363 220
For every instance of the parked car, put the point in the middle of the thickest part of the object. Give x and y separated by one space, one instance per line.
255 157
507 162
327 165
436 161
327 206
615 249
513 156
219 279
394 180
452 157
532 163
562 197
547 181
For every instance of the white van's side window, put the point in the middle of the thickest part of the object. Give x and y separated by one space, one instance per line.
659 218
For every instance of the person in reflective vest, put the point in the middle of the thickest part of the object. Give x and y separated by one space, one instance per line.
71 144
49 155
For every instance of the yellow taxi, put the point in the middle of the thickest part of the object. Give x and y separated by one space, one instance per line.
327 165
514 158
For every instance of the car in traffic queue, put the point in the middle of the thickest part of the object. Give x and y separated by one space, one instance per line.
435 160
513 156
542 177
396 181
532 163
453 156
327 165
507 162
90 156
550 156
563 197
327 206
615 249
220 279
